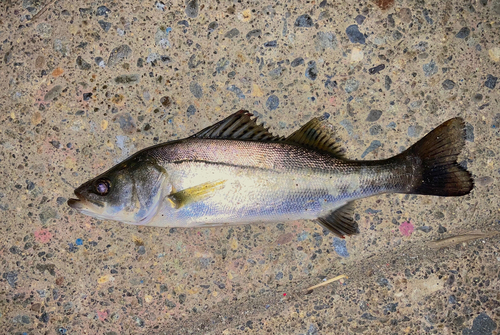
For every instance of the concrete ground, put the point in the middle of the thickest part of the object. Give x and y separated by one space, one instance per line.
85 84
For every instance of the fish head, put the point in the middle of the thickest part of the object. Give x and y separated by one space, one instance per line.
129 192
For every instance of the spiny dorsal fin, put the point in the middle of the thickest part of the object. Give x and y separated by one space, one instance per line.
316 134
238 126
340 221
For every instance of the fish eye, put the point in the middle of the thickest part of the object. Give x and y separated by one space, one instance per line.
102 186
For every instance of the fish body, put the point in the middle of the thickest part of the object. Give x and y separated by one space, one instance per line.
236 172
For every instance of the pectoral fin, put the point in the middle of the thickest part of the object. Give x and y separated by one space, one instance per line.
196 193
341 222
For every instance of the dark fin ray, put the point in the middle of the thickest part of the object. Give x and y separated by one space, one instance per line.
316 134
438 151
341 222
238 126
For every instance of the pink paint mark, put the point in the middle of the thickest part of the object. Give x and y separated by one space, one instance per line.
406 228
332 101
102 315
43 235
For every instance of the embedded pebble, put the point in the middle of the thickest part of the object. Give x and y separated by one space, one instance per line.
448 84
463 33
104 25
375 130
374 115
272 102
311 70
359 19
236 90
83 65
53 93
232 33
191 110
430 68
196 90
355 36
340 246
253 33
192 8
373 146
491 81
304 21
351 85
297 61
102 10
325 40
415 131
118 54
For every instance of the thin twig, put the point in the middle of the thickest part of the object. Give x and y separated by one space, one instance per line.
327 282
37 15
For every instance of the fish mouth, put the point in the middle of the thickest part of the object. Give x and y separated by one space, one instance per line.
75 204
80 204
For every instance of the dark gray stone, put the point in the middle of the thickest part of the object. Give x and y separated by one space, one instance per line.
297 61
491 81
83 65
463 33
304 21
232 33
311 71
448 84
192 8
118 54
374 115
104 25
196 90
482 325
355 36
191 110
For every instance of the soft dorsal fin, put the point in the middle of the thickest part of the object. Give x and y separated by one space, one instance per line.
316 134
238 126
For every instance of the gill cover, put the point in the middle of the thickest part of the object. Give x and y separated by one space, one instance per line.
128 192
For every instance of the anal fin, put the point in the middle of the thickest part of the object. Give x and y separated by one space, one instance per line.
341 221
193 194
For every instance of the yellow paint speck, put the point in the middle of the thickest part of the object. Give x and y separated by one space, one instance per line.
234 244
105 279
245 16
214 293
256 91
104 124
494 54
230 275
148 298
12 115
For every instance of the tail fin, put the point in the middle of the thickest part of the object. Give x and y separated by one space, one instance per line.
437 152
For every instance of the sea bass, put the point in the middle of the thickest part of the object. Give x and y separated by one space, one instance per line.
237 172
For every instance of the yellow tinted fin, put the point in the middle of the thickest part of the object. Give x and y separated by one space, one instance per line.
193 194
316 134
341 222
238 126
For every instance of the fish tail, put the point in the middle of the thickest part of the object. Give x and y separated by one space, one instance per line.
437 155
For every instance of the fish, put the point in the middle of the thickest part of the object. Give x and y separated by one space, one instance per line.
237 172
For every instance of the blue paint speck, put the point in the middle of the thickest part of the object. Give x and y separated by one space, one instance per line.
340 247
168 30
79 241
